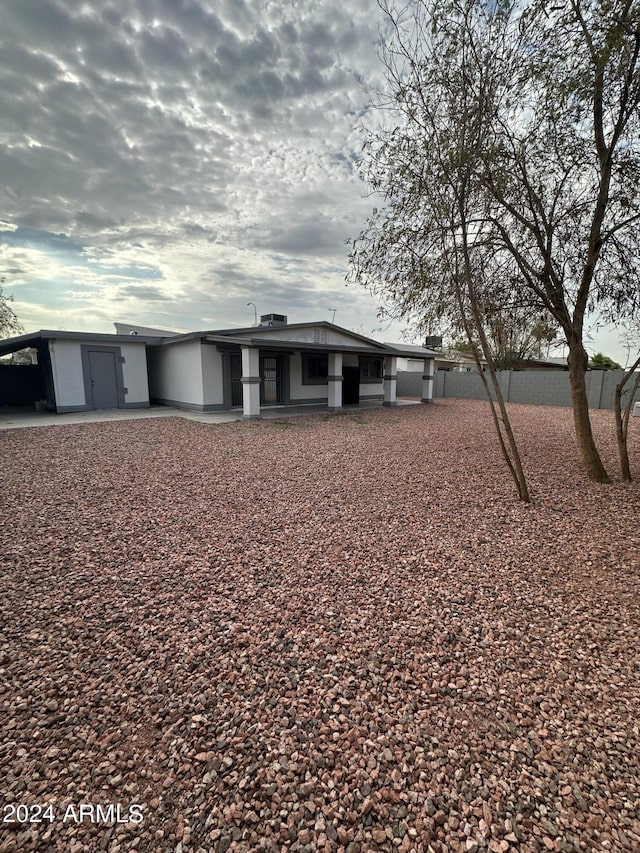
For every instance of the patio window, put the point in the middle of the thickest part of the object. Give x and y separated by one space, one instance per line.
315 369
370 369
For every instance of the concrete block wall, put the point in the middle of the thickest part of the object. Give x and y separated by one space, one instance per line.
467 386
539 387
535 387
411 382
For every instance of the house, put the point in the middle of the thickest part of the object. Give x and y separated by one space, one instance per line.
275 363
457 362
413 357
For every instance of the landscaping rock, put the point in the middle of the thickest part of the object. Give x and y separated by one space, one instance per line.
343 634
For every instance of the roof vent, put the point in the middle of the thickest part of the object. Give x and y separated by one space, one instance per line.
273 320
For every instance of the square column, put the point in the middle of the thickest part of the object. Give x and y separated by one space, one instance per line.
390 380
427 380
334 379
250 383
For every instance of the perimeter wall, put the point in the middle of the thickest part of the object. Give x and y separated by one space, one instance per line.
537 387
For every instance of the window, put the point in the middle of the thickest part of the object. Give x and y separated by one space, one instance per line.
370 369
315 369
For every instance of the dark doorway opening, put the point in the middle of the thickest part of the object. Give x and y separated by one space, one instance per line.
235 364
350 386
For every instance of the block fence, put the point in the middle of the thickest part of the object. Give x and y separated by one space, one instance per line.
537 387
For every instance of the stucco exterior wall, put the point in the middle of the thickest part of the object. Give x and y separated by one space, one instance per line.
68 378
212 377
298 391
371 389
175 373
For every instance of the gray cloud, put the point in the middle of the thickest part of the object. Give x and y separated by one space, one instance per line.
201 138
142 291
316 236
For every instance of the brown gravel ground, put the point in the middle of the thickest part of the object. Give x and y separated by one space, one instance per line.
328 633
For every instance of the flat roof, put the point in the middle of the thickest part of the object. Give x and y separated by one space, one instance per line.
32 339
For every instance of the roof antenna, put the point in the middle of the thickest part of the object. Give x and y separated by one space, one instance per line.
255 313
333 319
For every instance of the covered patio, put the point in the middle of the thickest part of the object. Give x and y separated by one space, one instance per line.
262 374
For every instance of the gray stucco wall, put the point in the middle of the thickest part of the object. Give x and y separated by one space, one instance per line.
536 387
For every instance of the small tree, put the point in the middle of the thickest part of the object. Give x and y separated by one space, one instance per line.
603 362
9 324
428 251
515 336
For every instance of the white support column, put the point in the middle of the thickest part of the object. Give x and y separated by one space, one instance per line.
250 383
334 379
390 380
427 380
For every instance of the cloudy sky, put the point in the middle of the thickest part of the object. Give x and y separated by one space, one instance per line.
164 162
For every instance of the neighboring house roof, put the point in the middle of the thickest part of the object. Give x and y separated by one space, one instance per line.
413 350
454 357
133 330
559 362
451 359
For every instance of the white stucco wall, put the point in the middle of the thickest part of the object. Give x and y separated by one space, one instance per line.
134 373
175 373
213 393
371 389
298 391
415 365
68 376
68 379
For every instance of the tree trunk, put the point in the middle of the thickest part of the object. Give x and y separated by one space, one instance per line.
622 418
514 461
578 360
621 437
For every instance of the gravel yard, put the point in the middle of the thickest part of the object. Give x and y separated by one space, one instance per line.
333 633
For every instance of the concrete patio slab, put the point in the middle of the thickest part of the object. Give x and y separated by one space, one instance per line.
18 418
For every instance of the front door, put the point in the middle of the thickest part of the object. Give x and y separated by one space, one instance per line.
271 391
104 379
350 386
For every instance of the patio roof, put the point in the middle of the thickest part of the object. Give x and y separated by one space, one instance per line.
305 346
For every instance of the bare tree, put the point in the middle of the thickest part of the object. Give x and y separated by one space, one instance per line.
9 323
